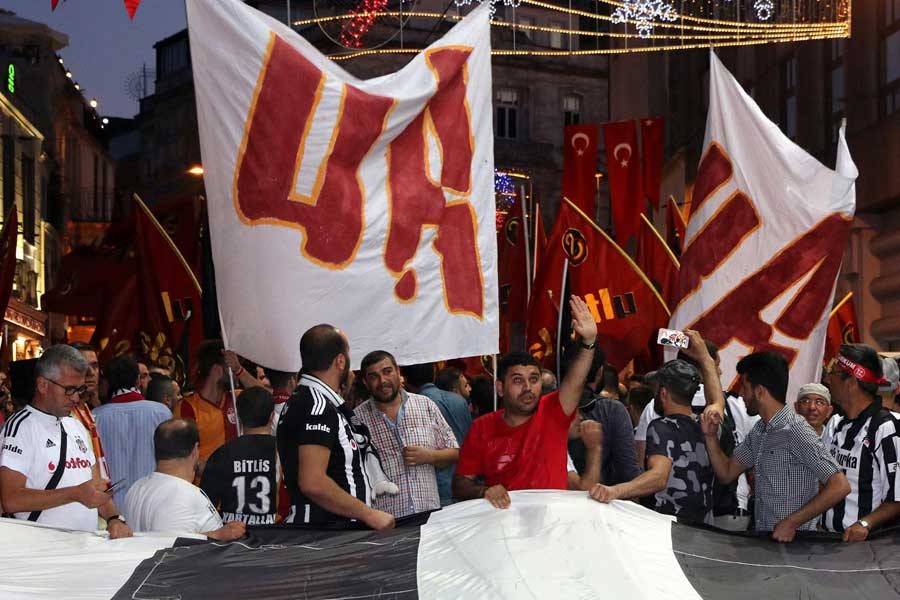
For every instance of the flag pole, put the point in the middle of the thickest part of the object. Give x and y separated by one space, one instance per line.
559 334
527 245
494 369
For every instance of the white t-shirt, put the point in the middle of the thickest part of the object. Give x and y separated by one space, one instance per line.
165 503
31 446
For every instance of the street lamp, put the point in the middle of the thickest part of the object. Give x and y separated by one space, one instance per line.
94 103
196 170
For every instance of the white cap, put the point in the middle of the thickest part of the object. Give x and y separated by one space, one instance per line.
814 388
891 373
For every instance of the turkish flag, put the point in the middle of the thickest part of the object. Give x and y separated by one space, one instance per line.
512 272
131 6
539 240
580 166
653 137
657 261
675 225
171 323
625 185
842 328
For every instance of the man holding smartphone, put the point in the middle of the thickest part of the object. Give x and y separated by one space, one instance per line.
48 471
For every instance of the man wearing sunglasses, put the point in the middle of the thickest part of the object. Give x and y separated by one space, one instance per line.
48 472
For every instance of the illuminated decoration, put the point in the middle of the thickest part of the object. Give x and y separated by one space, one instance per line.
361 24
624 26
11 79
364 17
510 3
505 196
644 13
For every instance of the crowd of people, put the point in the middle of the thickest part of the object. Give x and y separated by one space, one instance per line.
121 447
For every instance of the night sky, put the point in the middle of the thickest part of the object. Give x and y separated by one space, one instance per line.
105 47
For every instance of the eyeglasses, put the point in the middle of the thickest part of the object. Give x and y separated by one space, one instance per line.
819 402
70 390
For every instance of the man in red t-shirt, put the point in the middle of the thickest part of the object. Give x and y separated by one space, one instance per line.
523 446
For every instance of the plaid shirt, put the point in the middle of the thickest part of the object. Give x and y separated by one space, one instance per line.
790 462
419 423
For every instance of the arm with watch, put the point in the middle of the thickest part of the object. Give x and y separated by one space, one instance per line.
573 383
887 513
116 525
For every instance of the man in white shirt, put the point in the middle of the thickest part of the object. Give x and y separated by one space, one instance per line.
167 500
48 471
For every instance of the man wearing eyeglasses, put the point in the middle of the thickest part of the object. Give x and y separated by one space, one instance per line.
814 405
48 472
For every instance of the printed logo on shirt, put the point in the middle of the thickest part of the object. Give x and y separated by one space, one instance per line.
50 444
12 448
72 463
318 427
51 467
81 446
846 460
892 467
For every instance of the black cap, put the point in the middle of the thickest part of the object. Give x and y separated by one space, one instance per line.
678 376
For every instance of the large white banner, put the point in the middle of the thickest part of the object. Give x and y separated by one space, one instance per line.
367 204
767 232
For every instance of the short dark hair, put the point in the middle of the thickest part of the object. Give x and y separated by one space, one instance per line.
175 438
159 387
278 379
83 347
121 372
610 377
867 357
767 369
375 357
319 346
255 406
515 359
448 379
640 397
419 374
482 394
209 354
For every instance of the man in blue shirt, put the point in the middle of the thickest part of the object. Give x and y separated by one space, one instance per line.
453 407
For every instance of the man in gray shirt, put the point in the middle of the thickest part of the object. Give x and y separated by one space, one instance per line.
789 460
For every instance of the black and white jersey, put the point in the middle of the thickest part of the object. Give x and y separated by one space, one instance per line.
241 480
317 415
866 449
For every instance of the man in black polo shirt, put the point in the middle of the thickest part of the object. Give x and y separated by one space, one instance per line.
322 443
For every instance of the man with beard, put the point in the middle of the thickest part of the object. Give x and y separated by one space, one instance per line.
796 479
865 443
411 435
322 443
211 404
523 446
678 472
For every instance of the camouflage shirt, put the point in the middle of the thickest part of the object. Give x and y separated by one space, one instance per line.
688 493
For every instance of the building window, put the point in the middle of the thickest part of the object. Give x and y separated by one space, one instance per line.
28 198
9 174
837 93
172 58
526 23
572 109
506 125
889 49
556 38
788 76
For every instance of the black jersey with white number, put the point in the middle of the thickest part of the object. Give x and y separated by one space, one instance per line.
241 480
316 415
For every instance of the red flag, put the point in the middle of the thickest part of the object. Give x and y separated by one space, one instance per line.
653 135
117 327
625 187
171 324
842 328
675 225
53 4
8 239
580 166
657 261
539 241
512 272
478 366
131 6
543 309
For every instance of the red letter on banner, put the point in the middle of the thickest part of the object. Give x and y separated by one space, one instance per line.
284 106
416 201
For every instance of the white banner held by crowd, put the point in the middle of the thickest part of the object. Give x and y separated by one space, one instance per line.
367 204
767 232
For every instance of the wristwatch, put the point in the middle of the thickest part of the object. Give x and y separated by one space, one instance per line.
117 517
588 346
864 523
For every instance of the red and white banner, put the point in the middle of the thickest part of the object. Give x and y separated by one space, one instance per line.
367 204
767 233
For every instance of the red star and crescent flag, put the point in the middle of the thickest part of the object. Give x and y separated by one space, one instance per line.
623 163
368 204
767 233
579 183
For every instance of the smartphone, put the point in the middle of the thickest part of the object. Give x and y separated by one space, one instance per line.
672 337
113 487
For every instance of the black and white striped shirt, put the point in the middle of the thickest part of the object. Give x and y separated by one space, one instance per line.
868 459
317 415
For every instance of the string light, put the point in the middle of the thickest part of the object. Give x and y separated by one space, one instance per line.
510 3
764 9
644 13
